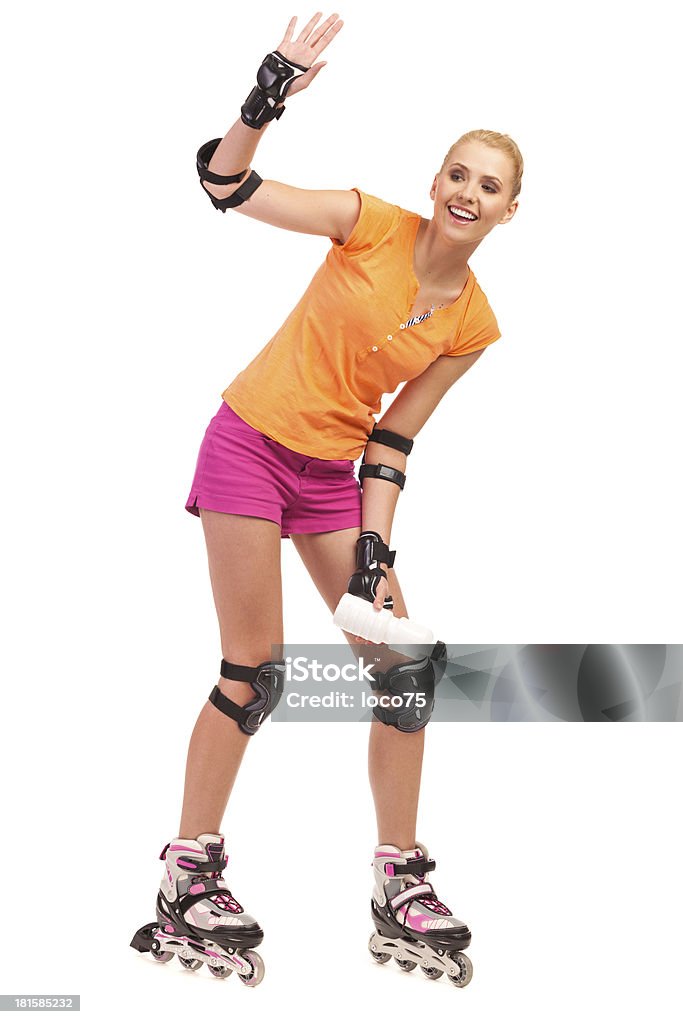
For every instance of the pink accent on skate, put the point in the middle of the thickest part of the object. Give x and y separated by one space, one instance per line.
416 920
228 902
198 887
169 928
390 870
411 892
423 895
188 849
387 851
186 864
437 906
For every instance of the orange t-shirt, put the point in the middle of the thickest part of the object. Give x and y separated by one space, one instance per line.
317 384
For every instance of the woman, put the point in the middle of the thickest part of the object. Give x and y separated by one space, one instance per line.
394 301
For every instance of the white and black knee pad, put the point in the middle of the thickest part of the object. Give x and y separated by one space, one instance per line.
407 691
267 681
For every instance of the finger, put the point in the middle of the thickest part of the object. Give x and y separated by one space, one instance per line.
325 34
288 34
307 29
308 77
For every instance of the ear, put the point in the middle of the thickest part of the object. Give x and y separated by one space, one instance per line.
509 213
432 191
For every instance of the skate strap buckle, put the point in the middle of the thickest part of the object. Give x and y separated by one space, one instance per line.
206 867
413 867
413 892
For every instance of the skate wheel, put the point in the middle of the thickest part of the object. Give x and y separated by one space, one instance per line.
258 969
162 958
379 958
189 963
220 970
465 965
406 965
155 950
431 972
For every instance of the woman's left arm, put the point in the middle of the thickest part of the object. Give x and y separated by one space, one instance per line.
406 415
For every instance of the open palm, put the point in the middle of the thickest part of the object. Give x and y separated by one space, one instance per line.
307 47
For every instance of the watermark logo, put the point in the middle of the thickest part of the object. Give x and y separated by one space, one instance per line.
304 670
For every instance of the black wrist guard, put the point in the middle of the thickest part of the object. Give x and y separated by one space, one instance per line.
370 551
273 78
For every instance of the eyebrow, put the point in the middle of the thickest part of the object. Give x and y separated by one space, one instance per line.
466 168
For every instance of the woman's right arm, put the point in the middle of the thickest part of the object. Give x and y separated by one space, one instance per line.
328 212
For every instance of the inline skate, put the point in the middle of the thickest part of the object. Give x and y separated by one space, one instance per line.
411 923
198 917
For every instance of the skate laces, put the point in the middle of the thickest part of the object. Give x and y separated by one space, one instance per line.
429 900
226 901
223 900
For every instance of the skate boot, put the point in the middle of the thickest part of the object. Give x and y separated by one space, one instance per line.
411 923
198 917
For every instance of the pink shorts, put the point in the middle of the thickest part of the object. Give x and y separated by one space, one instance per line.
243 471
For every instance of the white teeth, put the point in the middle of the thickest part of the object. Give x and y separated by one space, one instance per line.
462 213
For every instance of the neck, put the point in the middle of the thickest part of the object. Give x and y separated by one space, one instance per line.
436 262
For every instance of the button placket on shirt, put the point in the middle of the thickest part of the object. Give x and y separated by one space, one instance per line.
371 349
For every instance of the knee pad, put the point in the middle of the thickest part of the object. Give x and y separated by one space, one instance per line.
267 681
407 695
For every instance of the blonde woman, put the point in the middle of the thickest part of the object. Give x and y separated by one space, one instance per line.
394 301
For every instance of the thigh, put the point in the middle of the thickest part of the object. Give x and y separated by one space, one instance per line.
244 566
329 499
330 558
241 471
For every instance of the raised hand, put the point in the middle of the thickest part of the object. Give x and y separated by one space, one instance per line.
309 44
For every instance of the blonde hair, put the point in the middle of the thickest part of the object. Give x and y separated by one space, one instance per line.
496 141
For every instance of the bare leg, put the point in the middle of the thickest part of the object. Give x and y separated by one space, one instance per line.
244 566
394 758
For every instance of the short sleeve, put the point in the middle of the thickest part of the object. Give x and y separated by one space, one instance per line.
375 223
479 327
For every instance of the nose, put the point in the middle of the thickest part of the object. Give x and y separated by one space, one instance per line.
464 196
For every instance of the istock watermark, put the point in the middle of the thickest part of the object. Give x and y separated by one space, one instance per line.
302 669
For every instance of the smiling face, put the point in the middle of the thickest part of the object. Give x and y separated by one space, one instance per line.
477 181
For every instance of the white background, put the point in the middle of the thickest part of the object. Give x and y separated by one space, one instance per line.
542 502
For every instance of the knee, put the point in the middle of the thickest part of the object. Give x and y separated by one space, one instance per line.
405 695
266 682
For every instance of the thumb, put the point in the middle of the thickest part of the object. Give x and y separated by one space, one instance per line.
303 81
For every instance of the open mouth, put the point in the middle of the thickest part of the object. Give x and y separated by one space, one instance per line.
461 216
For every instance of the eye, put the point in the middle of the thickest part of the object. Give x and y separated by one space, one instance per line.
456 174
491 187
